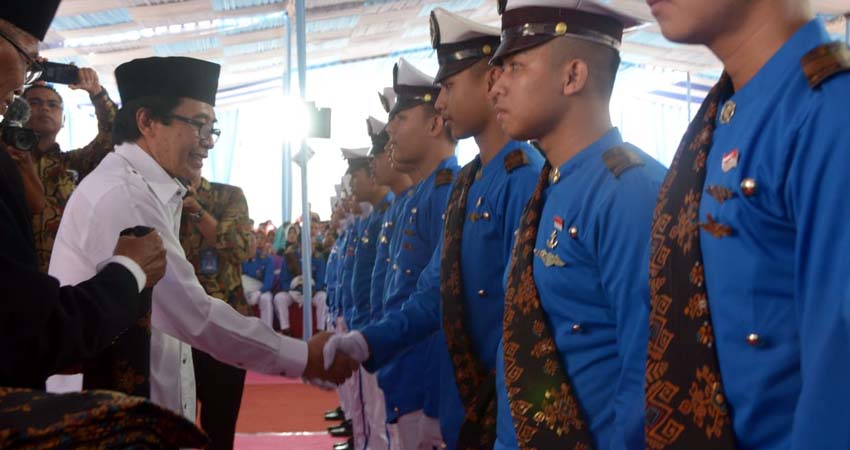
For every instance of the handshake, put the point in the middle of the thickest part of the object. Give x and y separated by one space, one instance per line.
333 358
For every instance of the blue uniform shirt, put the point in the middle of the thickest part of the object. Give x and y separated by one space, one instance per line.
597 300
346 302
487 236
364 263
261 268
782 275
407 379
382 254
331 271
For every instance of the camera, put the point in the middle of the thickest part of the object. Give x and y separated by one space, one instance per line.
12 128
60 73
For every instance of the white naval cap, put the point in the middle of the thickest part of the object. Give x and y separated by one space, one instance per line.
460 42
377 131
412 87
529 23
387 99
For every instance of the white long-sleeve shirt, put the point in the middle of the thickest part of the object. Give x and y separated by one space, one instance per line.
129 188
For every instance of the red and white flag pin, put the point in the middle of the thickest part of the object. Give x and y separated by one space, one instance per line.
730 160
559 223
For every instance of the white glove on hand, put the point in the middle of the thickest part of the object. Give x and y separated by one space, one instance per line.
429 434
321 384
352 344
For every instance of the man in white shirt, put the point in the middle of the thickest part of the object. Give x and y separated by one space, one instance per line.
163 133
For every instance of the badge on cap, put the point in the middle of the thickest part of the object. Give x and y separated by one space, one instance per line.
730 160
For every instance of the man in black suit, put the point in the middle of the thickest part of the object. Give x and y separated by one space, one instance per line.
45 328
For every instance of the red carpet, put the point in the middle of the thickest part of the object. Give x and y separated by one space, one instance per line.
278 413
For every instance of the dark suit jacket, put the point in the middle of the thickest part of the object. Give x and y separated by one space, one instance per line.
45 328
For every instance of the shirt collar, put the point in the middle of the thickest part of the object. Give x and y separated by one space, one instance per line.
163 185
783 64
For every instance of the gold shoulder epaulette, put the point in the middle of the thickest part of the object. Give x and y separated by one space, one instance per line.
825 61
515 159
620 159
444 176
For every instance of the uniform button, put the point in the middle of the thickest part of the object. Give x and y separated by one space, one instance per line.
395 410
388 260
573 232
443 217
727 112
554 175
753 339
482 293
576 328
748 187
395 266
408 272
413 210
485 216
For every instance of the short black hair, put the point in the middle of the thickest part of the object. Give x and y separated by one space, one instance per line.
125 128
49 87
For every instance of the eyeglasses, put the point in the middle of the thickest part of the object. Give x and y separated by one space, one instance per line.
205 129
34 68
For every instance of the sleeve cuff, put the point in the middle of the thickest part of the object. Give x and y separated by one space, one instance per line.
294 354
129 264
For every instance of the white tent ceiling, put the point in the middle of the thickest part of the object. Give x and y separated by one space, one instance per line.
247 36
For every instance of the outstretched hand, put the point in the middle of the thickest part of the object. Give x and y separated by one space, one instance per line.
333 368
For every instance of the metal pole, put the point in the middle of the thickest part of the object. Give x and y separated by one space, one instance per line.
306 241
286 164
689 97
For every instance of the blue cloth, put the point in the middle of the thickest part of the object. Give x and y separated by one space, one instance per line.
597 303
382 254
320 261
503 196
783 273
411 378
346 267
332 274
364 263
261 268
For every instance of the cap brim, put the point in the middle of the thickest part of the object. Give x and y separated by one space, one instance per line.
453 68
510 46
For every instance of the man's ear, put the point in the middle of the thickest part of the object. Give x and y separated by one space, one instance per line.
493 74
575 77
436 125
145 122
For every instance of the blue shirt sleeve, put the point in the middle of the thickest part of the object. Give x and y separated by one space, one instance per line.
364 262
623 255
817 195
268 274
418 318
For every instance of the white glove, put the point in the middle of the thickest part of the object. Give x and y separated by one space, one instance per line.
352 344
298 297
321 384
429 434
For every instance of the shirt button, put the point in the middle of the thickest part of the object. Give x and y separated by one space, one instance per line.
395 266
388 260
748 187
396 410
482 293
408 272
485 215
573 231
576 328
754 339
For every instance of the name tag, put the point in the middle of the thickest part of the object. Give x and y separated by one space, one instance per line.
209 261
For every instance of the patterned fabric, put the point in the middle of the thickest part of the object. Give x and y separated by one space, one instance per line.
228 206
545 410
685 405
125 365
60 172
31 419
476 385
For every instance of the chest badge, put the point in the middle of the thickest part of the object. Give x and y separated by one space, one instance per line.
730 160
549 259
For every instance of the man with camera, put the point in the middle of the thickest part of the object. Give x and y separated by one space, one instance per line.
59 171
